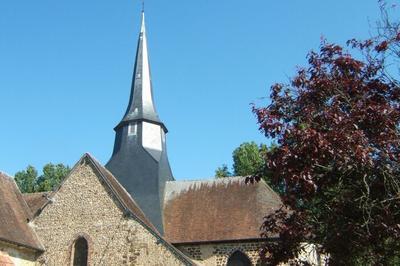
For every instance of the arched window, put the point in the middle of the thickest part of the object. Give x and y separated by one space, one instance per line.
238 259
80 252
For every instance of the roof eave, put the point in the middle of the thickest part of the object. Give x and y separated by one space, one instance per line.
125 122
36 249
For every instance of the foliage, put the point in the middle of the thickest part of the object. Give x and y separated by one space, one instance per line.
52 176
337 128
28 180
222 171
248 159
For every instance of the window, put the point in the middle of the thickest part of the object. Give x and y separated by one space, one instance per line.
238 259
132 129
80 252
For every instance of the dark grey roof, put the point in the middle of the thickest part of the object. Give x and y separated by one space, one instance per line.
141 102
141 166
140 174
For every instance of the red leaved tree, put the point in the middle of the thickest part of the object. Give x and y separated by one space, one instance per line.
337 127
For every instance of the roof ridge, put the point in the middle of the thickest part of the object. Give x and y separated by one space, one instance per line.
208 180
34 193
6 175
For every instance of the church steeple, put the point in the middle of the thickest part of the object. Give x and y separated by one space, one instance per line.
139 159
141 102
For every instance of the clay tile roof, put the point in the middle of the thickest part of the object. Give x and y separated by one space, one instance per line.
35 201
216 210
15 215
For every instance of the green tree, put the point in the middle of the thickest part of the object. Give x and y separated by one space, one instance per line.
28 180
248 159
222 171
52 176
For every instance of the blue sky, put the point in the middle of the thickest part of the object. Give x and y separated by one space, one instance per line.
66 66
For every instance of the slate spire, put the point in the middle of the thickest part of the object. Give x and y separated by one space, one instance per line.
141 102
139 160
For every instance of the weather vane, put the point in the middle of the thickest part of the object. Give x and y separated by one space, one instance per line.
142 5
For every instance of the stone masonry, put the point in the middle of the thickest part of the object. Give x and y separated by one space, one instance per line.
218 253
83 206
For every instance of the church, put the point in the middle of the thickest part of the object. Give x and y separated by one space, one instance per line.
132 211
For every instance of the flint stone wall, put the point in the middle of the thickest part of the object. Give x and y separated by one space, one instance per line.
85 207
218 253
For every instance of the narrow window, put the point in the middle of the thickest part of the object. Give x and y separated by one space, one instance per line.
238 259
132 129
80 255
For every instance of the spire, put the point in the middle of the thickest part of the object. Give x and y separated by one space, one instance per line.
139 160
143 25
141 102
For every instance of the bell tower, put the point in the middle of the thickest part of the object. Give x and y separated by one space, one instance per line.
139 160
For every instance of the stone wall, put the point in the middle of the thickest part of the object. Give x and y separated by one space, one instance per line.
11 255
83 207
218 253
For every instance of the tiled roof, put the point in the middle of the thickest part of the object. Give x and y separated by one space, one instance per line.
35 201
15 215
216 210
